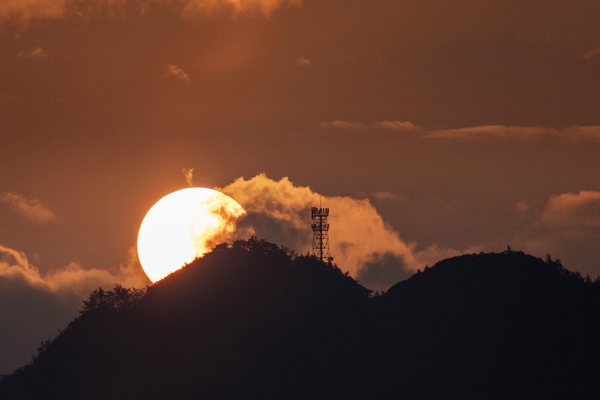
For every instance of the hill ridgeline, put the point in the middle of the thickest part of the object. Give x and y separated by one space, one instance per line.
252 320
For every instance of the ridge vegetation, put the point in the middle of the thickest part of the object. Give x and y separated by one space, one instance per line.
253 320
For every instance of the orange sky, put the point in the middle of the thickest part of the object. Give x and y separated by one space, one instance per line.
440 126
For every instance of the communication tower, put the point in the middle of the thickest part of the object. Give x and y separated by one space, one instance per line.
320 228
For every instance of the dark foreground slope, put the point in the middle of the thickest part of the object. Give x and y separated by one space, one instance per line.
502 326
250 321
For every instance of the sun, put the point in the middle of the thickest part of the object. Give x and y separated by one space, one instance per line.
182 226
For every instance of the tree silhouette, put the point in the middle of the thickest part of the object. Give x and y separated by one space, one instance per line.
117 298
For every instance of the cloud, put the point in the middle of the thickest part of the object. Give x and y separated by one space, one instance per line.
360 241
32 209
567 227
434 253
34 54
32 9
266 7
189 175
487 132
386 125
72 279
387 196
480 134
591 53
569 210
342 124
398 125
493 133
27 10
175 71
303 62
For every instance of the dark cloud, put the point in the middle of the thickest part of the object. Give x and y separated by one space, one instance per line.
29 316
383 271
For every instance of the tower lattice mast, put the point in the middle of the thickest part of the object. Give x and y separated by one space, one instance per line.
320 228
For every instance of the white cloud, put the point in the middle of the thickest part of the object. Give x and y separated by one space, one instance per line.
32 209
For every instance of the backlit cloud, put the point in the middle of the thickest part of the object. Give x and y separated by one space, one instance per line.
175 71
387 196
569 210
397 125
189 175
32 9
385 125
72 279
36 53
303 62
360 241
486 133
32 209
567 223
27 10
264 6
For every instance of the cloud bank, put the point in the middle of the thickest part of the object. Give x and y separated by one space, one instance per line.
31 209
27 10
360 241
72 279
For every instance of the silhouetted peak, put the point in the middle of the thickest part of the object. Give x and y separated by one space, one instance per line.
512 269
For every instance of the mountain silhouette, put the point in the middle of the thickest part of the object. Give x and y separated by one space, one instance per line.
252 320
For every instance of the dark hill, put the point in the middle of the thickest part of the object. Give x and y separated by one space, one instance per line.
253 321
502 326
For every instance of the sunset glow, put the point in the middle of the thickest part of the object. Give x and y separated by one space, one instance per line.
430 129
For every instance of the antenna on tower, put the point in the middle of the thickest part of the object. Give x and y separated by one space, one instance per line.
320 228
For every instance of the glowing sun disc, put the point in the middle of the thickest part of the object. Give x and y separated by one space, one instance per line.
182 226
